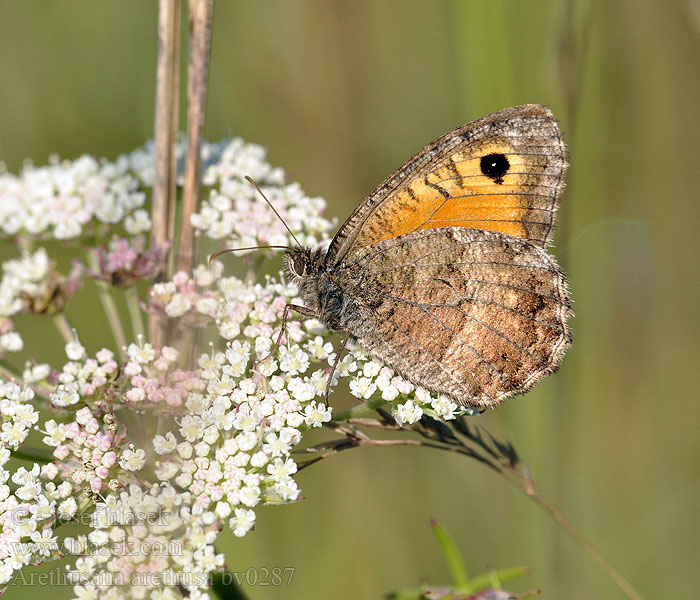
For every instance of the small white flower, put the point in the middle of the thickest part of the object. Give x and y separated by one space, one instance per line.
67 509
164 444
178 306
293 361
35 373
45 542
444 407
138 222
63 397
191 428
287 490
362 387
371 368
242 521
316 414
75 351
11 342
132 460
249 495
166 471
407 413
280 469
55 433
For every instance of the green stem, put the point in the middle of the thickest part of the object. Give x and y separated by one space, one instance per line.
109 306
132 302
624 585
498 456
8 373
33 455
496 578
63 326
360 410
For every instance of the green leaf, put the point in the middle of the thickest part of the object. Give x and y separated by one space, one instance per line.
496 577
454 560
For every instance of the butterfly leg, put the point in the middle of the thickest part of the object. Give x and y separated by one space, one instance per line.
335 364
285 315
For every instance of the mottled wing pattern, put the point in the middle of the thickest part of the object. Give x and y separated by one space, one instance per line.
477 315
444 184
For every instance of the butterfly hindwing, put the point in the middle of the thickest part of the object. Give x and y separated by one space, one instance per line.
477 315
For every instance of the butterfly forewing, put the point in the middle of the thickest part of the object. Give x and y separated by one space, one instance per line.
502 173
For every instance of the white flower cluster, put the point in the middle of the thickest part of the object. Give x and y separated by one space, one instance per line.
175 454
237 215
156 384
27 517
185 294
84 379
145 542
232 448
62 199
25 285
141 161
91 452
16 414
408 403
69 198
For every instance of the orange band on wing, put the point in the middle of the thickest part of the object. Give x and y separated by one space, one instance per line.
458 194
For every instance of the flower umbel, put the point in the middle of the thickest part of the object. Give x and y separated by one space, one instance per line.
159 452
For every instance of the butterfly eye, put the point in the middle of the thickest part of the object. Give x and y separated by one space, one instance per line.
495 166
299 264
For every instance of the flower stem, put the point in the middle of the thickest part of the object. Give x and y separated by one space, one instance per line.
201 13
166 126
361 410
33 455
109 306
132 303
461 438
564 523
8 373
63 326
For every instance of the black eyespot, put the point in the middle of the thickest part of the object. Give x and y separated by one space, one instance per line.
495 166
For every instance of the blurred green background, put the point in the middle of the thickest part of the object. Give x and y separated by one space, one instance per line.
341 93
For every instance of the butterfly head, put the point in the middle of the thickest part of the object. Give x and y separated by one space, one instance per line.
302 263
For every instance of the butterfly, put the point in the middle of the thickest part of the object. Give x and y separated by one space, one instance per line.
442 272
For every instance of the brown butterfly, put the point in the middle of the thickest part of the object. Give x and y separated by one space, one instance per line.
443 273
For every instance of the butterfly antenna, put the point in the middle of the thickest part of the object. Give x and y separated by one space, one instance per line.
250 179
220 252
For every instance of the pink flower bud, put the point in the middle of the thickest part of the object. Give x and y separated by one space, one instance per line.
61 452
109 459
102 472
110 367
138 380
180 278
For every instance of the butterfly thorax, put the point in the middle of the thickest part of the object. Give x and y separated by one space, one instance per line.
320 293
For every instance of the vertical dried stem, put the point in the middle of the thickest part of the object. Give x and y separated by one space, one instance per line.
168 82
200 22
166 125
